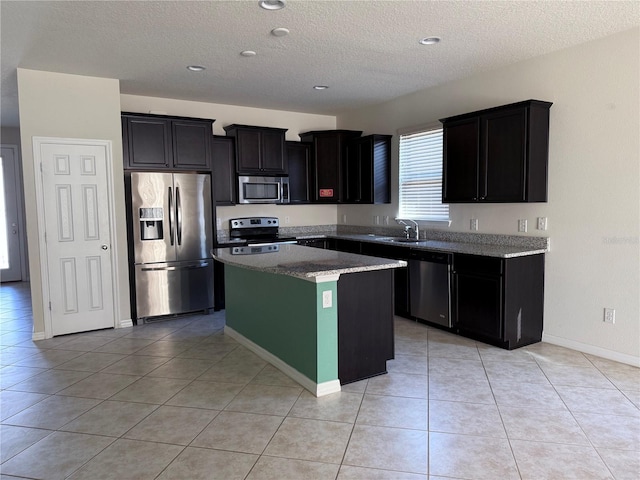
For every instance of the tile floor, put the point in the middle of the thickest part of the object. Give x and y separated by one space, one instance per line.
180 400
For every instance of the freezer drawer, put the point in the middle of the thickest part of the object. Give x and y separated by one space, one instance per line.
172 288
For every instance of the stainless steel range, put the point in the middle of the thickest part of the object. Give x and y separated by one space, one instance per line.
258 235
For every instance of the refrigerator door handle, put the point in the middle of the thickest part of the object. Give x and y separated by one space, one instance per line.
170 269
171 219
179 216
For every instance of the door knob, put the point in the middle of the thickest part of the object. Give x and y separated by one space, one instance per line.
104 247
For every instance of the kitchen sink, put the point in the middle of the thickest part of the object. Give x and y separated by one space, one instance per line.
400 240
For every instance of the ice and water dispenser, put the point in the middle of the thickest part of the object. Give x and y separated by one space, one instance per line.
151 223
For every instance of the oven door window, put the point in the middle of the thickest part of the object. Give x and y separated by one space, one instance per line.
261 191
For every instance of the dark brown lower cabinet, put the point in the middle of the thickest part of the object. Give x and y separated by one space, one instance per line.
499 301
365 324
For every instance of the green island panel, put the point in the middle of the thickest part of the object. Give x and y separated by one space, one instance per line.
284 315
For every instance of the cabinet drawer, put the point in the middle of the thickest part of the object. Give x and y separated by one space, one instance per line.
478 265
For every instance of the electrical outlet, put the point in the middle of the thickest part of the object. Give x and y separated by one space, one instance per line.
542 223
344 218
376 219
473 225
386 219
287 219
522 225
610 315
327 299
219 222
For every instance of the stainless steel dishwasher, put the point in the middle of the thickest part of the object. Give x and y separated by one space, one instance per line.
430 287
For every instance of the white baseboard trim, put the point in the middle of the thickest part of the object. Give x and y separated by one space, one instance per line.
125 323
318 389
592 350
38 336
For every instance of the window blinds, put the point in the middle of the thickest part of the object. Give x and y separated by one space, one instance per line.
421 176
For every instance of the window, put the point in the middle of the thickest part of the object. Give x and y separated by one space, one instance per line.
421 175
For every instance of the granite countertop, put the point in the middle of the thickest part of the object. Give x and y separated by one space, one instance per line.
312 264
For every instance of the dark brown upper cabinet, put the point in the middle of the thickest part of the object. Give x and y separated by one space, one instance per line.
223 159
259 150
299 164
497 155
367 176
329 153
152 142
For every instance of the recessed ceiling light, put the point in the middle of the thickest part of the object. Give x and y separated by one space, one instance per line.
320 87
196 68
430 40
248 53
280 32
272 4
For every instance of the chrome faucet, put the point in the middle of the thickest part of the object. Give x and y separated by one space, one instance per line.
409 228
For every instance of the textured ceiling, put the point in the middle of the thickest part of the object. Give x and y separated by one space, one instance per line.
367 52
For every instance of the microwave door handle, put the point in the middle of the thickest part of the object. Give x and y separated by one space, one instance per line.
171 219
179 216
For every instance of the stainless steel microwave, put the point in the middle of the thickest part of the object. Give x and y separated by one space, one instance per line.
263 189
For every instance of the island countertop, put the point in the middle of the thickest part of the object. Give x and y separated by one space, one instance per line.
312 264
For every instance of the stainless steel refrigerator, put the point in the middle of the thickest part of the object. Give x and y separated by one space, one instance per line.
172 239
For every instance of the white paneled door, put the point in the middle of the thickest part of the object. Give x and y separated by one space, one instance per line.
10 223
78 246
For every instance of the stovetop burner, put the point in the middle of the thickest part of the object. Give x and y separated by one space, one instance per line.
257 230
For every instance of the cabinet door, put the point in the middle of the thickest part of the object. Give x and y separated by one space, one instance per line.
248 151
149 143
478 304
503 159
223 157
327 169
299 166
460 160
191 145
272 154
357 183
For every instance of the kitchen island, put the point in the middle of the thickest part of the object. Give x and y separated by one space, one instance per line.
324 318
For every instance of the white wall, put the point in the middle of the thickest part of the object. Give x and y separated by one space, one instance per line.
594 181
224 115
70 106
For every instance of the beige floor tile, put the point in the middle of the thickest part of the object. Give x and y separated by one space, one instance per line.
411 347
14 402
412 364
55 456
128 459
465 418
535 395
91 362
388 449
539 461
109 418
208 351
546 352
151 390
53 412
266 399
270 375
625 378
50 381
359 473
611 431
215 396
597 400
85 343
14 374
11 355
399 384
633 396
540 425
204 464
457 389
339 407
164 348
125 346
177 425
356 387
135 365
314 440
14 440
624 464
99 385
269 468
48 358
388 411
494 354
570 375
466 368
151 332
186 368
452 350
232 371
516 371
473 457
239 432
